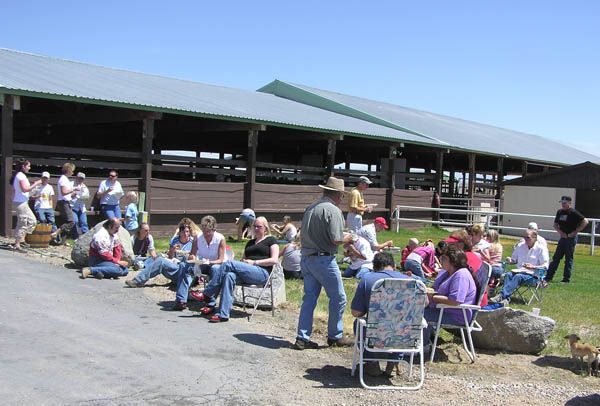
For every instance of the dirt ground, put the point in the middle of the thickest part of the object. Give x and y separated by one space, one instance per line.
323 376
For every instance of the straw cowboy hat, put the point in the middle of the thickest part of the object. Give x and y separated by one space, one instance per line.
334 184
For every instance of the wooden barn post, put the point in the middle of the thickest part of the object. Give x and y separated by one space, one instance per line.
147 138
7 164
251 169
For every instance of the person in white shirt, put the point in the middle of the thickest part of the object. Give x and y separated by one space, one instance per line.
65 192
109 193
78 206
369 233
361 255
533 226
529 255
287 231
26 221
44 201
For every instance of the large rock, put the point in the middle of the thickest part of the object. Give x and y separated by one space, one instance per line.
81 248
513 330
265 302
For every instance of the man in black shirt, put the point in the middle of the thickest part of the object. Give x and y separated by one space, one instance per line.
568 222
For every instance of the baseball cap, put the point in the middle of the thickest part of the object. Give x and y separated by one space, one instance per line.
565 199
381 221
452 240
364 179
45 175
81 175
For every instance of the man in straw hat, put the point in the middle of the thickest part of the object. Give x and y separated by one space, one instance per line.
356 204
322 233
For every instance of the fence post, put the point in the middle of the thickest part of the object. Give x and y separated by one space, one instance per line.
593 237
488 220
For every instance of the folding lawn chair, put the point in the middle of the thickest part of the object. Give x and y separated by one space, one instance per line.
532 287
483 277
394 325
267 285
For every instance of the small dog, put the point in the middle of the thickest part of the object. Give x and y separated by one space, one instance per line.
580 350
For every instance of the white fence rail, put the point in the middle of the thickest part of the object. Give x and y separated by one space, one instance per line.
487 217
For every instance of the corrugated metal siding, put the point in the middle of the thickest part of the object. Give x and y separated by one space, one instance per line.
57 78
458 133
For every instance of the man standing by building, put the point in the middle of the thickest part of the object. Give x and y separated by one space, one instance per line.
356 204
322 233
567 223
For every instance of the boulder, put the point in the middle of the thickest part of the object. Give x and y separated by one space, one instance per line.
511 330
265 302
81 248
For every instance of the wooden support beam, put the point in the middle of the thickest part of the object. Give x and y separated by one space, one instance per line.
471 175
331 144
7 164
439 171
251 169
524 169
500 178
147 138
391 180
85 117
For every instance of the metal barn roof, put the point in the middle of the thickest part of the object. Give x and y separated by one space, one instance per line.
458 133
40 76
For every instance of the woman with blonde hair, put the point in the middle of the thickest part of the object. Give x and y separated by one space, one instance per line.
495 254
260 255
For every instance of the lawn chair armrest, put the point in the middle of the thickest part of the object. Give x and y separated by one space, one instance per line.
424 323
461 306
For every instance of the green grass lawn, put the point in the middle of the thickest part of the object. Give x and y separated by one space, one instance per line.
573 306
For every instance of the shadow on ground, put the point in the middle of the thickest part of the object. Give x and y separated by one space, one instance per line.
561 363
263 340
332 376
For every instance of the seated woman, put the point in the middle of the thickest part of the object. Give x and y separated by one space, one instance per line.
462 240
361 257
290 261
209 247
287 231
179 248
454 285
106 252
260 254
480 245
143 247
495 256
421 261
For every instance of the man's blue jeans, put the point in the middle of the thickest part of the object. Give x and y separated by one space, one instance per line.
321 272
358 273
186 276
565 248
110 210
46 216
512 281
160 266
232 273
108 269
80 218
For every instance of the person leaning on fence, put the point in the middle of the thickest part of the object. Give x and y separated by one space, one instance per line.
369 233
105 255
322 233
78 202
356 204
567 223
66 191
529 255
26 221
383 267
260 255
110 193
44 201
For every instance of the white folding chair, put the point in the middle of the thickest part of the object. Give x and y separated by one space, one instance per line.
483 277
394 325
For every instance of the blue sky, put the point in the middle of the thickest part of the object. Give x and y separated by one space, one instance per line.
530 66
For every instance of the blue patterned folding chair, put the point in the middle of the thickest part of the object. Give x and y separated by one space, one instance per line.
469 325
394 325
532 287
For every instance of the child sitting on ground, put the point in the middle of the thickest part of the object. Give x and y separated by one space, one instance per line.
412 244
